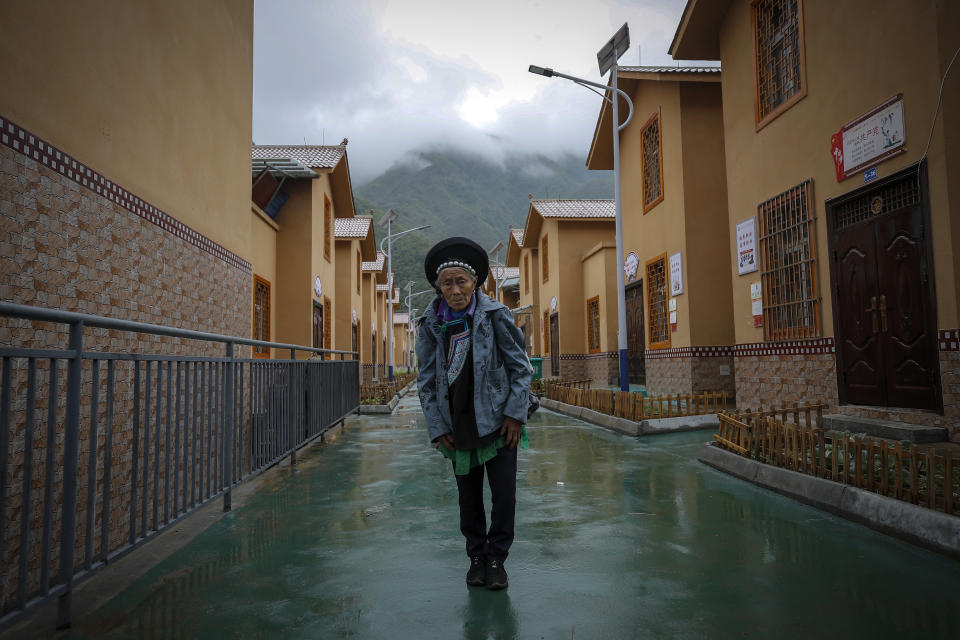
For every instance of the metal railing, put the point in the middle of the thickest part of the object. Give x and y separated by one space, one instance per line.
100 450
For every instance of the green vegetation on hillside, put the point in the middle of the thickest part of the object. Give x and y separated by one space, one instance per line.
461 194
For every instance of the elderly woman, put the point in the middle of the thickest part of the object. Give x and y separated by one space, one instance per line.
474 381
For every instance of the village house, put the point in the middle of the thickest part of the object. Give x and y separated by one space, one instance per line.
502 285
843 182
302 190
354 244
372 353
526 313
568 299
674 200
402 345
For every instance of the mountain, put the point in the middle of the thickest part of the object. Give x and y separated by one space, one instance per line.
464 194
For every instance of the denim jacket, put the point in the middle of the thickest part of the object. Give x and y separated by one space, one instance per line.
501 373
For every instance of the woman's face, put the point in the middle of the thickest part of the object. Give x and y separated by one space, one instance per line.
456 287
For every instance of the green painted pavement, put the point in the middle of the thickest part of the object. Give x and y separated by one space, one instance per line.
617 537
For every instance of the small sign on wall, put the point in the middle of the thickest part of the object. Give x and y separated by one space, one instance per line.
673 313
747 246
756 304
870 139
676 274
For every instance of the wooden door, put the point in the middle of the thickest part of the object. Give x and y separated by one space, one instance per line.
555 345
884 304
907 324
317 325
636 365
355 340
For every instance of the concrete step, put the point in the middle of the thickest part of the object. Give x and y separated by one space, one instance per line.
888 429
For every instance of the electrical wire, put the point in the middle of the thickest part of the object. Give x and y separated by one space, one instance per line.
939 100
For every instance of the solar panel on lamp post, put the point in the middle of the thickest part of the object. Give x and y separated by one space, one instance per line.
607 58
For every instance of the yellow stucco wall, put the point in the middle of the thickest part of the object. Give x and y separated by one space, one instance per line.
322 266
294 267
846 77
347 299
600 279
531 297
707 288
367 317
201 112
567 242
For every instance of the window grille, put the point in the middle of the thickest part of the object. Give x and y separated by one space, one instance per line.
327 227
593 324
652 163
546 332
779 56
658 328
893 197
544 259
791 306
261 315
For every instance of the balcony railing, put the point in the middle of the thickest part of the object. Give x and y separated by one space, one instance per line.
100 450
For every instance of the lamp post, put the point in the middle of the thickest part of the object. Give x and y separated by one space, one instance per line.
386 221
607 60
411 311
496 263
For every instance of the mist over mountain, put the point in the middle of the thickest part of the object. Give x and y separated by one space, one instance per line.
464 194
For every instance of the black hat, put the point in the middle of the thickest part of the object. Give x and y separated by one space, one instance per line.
456 252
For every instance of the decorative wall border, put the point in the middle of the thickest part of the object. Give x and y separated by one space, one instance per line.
689 352
24 142
949 339
603 355
799 347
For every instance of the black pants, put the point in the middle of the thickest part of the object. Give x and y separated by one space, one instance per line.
502 476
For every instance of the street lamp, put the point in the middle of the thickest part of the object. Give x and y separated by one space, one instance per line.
386 221
607 60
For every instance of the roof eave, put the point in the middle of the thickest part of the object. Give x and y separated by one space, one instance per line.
697 35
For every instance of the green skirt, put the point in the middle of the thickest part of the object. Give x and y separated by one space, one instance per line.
464 460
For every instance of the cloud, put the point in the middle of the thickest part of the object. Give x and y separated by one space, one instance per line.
394 76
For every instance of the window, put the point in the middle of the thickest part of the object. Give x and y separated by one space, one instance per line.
261 315
652 163
544 259
546 332
658 329
779 58
327 322
526 273
327 227
593 324
791 308
359 271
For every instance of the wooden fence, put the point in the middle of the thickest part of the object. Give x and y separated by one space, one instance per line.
923 476
633 406
383 392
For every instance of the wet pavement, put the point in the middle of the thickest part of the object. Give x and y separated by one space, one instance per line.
617 537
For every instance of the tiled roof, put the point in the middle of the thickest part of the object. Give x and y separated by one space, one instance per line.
374 265
598 209
518 236
668 69
351 227
504 272
314 156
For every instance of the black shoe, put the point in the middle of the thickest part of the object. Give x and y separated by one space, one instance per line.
496 575
477 573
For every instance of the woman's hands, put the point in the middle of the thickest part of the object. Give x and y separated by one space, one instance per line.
510 432
447 441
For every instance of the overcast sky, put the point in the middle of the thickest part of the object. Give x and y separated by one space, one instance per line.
397 75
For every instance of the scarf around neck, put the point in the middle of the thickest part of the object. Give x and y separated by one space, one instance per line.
460 341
